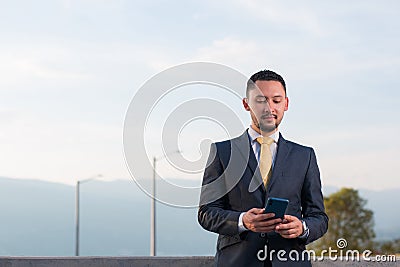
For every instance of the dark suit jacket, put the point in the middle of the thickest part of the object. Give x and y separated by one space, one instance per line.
232 184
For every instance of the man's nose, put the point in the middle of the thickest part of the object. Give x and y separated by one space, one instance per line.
267 106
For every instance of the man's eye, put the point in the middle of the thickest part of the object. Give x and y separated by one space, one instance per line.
277 101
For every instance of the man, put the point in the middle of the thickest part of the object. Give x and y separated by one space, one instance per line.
243 172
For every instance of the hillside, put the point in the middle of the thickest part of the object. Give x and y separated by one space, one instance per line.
37 219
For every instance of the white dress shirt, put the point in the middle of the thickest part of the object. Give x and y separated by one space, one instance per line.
257 149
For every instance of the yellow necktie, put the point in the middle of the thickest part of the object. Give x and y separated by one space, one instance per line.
265 158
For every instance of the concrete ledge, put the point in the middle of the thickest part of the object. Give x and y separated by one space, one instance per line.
195 261
105 261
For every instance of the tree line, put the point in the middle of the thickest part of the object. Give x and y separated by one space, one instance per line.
350 220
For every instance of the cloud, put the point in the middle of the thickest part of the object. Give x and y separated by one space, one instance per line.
297 17
23 67
302 61
229 50
329 54
60 151
358 157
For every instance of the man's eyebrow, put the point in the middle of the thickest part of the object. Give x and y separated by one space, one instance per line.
276 96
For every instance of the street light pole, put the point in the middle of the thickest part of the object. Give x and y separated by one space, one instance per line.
77 210
77 219
153 212
153 205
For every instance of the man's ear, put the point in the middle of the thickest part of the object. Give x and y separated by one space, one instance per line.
246 104
287 104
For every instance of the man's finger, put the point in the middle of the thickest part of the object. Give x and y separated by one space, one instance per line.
285 226
264 229
290 218
263 217
260 211
267 223
268 220
256 211
287 232
289 236
269 215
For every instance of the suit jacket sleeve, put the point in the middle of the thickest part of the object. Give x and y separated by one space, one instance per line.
214 214
312 202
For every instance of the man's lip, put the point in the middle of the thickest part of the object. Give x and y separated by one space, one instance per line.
268 117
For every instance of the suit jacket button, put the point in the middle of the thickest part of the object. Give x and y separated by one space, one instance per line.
262 234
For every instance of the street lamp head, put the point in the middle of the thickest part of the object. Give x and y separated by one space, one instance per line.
90 178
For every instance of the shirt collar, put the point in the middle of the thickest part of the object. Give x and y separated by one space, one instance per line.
253 135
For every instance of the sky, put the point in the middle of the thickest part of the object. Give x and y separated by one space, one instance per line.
70 69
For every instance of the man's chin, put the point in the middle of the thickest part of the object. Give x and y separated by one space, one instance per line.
268 128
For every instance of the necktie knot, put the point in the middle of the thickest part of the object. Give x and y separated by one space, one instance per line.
265 140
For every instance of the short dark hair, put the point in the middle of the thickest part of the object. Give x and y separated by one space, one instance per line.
264 75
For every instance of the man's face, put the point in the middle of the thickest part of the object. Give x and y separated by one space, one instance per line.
266 105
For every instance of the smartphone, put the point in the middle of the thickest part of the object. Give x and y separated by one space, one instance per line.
277 206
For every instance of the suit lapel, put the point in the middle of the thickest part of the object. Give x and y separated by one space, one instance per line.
242 143
281 155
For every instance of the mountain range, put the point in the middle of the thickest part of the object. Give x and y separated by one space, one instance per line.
37 218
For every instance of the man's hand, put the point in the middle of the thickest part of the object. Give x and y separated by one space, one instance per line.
290 228
257 221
